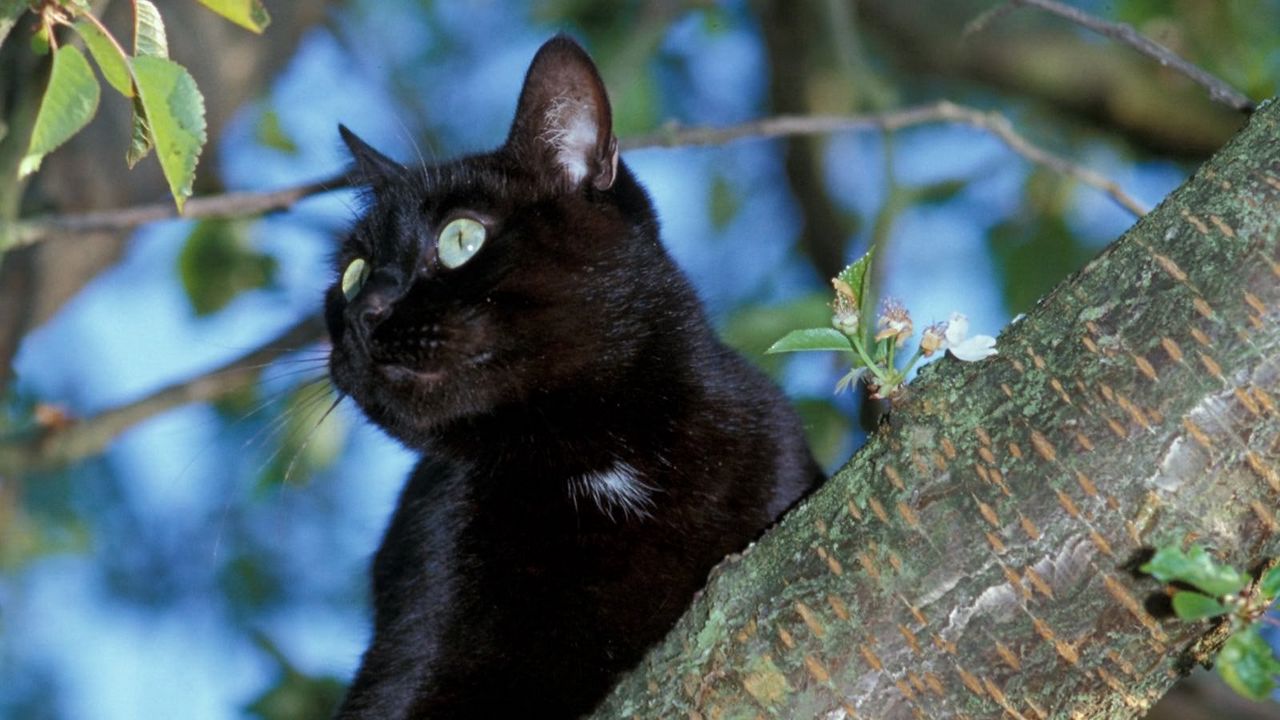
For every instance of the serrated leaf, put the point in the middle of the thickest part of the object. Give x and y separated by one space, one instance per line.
110 57
1196 568
10 11
175 113
140 143
1194 606
1247 664
858 276
248 14
1269 586
217 264
149 37
69 102
811 339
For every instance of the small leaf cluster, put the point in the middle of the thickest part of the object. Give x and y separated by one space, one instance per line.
168 109
1246 662
875 349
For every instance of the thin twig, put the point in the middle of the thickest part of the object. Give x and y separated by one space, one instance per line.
943 111
227 205
1218 89
55 446
252 203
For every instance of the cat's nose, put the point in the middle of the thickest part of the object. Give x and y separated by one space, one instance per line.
367 313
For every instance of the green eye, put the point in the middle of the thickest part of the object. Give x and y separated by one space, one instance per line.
458 241
353 278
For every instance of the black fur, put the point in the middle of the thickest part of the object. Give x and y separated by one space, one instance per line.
568 344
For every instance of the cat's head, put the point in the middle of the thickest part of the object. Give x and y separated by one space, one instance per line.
485 281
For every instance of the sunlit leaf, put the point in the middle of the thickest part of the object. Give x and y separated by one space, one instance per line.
110 57
1196 568
217 264
1248 664
69 102
811 339
248 14
175 114
1194 606
148 31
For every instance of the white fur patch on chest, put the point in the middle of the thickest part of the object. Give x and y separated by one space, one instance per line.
618 488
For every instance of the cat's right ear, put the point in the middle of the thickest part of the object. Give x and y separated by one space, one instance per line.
372 167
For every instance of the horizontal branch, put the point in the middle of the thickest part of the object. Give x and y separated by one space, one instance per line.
48 447
938 112
226 205
241 204
1218 89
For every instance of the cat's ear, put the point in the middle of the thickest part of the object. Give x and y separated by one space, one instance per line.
564 126
372 167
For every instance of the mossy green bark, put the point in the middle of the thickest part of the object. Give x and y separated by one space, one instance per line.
977 558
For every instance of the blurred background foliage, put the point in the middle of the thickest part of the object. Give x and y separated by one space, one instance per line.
210 563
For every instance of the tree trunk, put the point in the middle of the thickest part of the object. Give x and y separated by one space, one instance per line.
976 558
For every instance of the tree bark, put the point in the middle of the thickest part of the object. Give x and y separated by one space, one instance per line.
977 558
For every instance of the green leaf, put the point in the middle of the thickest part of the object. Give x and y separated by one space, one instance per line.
10 11
272 135
939 192
148 31
724 202
1269 586
69 103
217 264
1194 606
248 14
858 277
1247 664
110 57
175 114
811 339
140 142
1197 568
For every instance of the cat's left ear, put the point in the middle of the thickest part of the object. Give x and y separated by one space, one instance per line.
564 126
372 167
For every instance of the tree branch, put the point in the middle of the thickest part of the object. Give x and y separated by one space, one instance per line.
976 558
942 111
1218 89
239 204
48 447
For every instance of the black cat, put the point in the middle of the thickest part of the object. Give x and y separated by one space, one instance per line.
589 448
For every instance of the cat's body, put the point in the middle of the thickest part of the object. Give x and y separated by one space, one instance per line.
590 450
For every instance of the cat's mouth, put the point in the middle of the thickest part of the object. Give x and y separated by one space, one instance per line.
400 373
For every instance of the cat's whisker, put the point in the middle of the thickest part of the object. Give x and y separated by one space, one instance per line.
288 473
